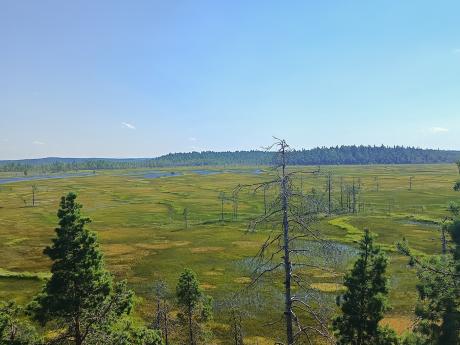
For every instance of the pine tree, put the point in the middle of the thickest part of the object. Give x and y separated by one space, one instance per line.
196 305
365 301
80 297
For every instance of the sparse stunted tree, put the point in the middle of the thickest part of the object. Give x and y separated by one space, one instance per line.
292 214
162 320
195 305
14 328
457 186
365 301
236 325
80 300
458 166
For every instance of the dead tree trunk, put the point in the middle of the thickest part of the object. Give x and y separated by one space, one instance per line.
329 190
265 200
235 207
34 190
222 200
185 214
292 212
354 196
341 192
286 257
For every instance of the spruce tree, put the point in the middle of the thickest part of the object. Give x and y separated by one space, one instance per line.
80 298
365 301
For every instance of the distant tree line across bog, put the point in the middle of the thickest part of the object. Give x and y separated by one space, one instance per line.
338 155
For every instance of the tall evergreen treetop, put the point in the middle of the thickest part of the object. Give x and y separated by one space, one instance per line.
364 303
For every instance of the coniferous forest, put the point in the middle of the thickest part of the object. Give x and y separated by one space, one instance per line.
339 155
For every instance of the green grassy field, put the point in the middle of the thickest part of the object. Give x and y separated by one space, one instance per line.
141 229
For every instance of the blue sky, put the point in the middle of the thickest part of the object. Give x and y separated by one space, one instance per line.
143 78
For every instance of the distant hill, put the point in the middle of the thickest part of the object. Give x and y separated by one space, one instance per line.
339 155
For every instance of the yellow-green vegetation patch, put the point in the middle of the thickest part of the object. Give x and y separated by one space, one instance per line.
258 341
326 274
246 244
213 273
163 245
116 249
206 286
242 280
202 250
328 287
400 323
16 241
353 233
219 327
23 275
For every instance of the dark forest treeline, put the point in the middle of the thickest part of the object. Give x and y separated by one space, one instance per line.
317 156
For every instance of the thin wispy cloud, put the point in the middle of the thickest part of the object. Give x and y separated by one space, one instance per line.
438 130
37 142
128 125
192 139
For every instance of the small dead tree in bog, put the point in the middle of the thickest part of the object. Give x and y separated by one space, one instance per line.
222 198
265 188
458 166
162 320
329 192
292 214
354 191
185 214
34 191
235 206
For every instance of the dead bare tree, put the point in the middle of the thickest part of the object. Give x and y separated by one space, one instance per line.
329 191
162 320
185 214
354 192
265 198
376 179
222 199
235 206
285 249
34 191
